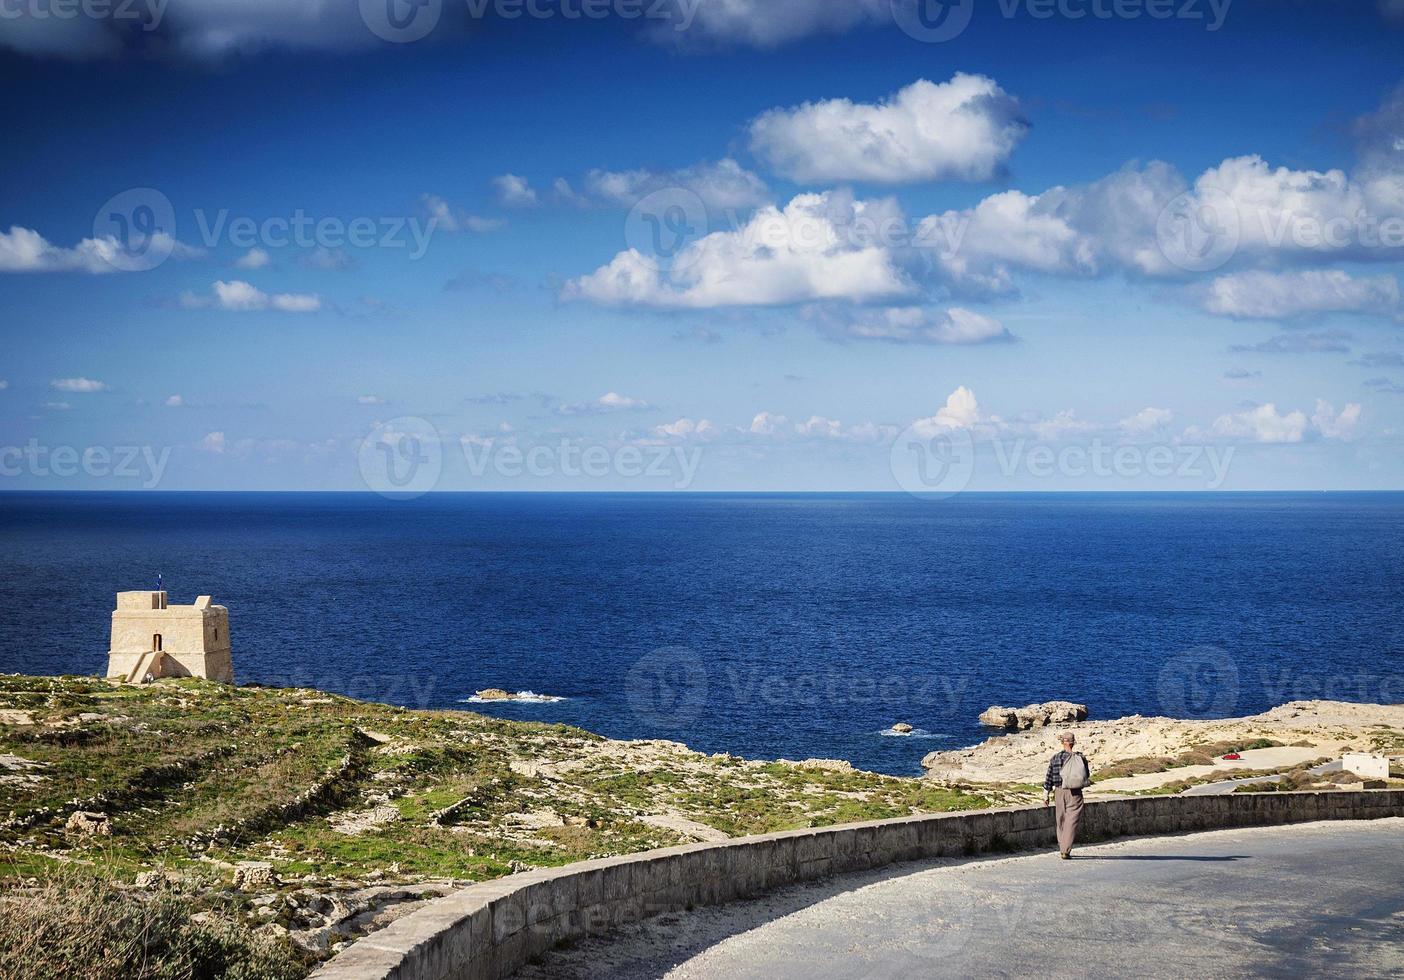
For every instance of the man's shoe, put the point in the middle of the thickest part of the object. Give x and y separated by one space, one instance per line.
1065 855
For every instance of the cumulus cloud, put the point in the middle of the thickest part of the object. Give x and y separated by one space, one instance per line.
963 129
242 297
1263 424
25 250
1266 424
213 442
254 258
802 253
84 386
961 411
175 401
687 430
1146 421
604 405
1336 425
909 325
370 400
1267 295
447 218
723 186
514 191
4 384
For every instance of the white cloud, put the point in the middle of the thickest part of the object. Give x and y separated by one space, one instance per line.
1146 421
77 385
961 411
910 325
1267 295
25 250
243 297
4 384
605 404
724 186
175 401
57 406
328 259
370 400
686 430
447 218
803 253
254 258
766 23
1263 424
963 129
214 442
1336 426
514 191
766 424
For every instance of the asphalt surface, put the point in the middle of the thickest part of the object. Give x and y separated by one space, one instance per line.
1317 899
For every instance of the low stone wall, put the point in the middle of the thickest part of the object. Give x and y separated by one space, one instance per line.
490 930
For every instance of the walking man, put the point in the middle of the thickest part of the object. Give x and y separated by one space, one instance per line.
1068 775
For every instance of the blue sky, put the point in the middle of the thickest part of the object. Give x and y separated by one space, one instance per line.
1011 245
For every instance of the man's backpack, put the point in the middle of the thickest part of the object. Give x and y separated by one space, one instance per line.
1075 772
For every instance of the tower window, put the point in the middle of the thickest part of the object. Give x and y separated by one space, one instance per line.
156 642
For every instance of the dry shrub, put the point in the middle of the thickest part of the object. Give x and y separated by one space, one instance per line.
82 928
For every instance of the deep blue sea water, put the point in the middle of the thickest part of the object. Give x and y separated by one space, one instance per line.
764 625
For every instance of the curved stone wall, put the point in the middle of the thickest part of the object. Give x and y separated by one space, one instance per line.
490 930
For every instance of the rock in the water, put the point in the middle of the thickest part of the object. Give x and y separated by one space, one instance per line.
87 824
902 728
1005 718
1034 716
495 694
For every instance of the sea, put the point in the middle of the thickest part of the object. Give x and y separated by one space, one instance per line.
766 626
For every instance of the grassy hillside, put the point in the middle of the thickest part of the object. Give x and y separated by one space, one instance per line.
301 820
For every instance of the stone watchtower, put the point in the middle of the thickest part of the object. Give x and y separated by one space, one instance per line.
151 638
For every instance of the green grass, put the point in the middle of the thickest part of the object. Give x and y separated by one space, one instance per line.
197 777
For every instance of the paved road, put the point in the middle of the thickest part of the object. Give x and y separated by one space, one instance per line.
1320 899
